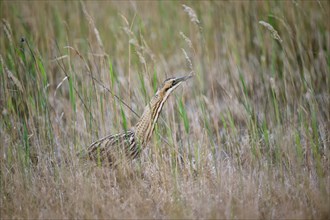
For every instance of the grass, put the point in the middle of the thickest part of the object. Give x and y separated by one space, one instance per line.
246 137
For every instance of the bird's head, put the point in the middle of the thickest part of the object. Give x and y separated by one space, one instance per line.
170 84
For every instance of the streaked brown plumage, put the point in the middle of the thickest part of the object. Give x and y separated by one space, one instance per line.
129 144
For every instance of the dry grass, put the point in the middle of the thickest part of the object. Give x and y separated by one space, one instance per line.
252 126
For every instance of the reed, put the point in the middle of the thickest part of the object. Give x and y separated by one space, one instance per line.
247 137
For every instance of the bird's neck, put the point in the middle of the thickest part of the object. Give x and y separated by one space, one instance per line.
146 124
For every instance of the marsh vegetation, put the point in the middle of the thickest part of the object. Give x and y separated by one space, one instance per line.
251 128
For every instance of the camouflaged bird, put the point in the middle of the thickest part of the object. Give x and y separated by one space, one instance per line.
128 145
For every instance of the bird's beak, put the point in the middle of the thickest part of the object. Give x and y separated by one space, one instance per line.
181 79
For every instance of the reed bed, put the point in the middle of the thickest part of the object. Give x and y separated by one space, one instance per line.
246 137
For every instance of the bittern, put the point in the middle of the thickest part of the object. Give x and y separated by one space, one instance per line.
129 144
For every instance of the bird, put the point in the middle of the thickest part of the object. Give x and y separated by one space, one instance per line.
129 144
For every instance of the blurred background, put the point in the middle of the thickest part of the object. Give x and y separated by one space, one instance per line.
251 128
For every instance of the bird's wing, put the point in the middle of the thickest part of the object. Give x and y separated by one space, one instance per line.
114 147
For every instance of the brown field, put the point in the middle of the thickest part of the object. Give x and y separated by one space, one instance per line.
252 126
